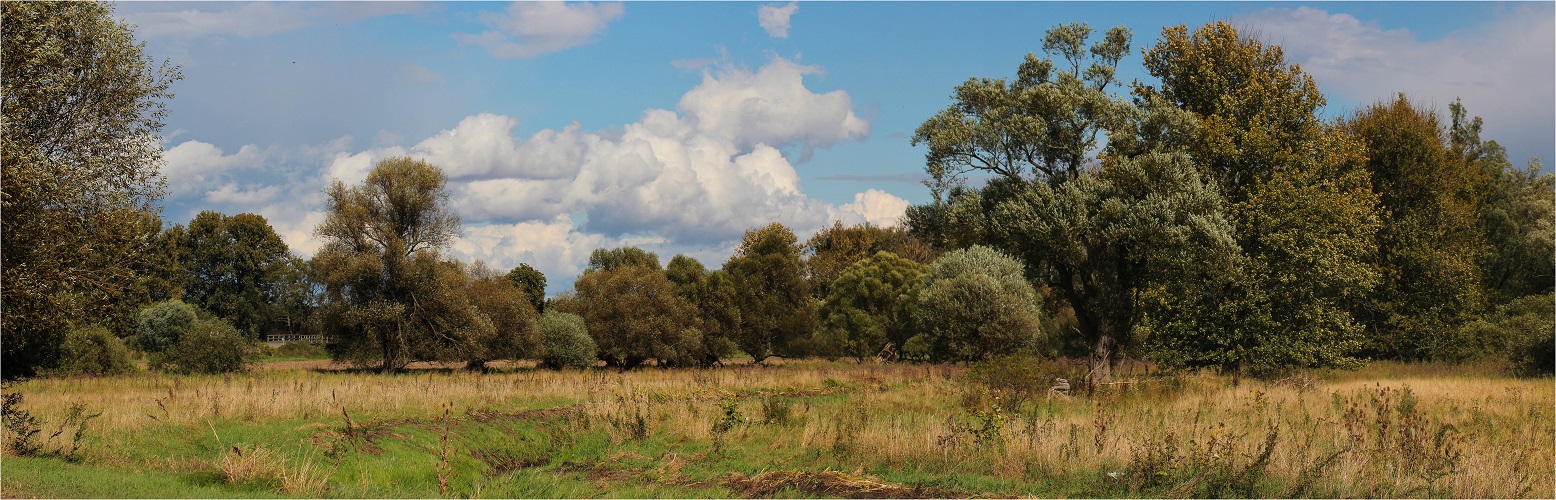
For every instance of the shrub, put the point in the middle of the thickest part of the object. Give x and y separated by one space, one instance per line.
1529 322
162 324
1013 379
976 304
565 340
94 351
916 349
210 346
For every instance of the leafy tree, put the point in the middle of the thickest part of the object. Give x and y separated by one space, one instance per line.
94 351
235 265
976 304
774 301
1516 213
867 307
1256 112
161 325
389 298
82 104
634 315
833 249
713 296
565 341
610 260
532 282
1429 240
1300 202
514 333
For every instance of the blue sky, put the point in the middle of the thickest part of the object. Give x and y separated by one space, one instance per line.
675 126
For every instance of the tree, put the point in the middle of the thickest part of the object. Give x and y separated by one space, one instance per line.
235 265
774 301
94 351
210 346
976 304
713 296
1256 112
532 282
389 297
565 341
514 333
634 314
1429 241
836 247
868 308
1097 232
80 107
609 260
1516 214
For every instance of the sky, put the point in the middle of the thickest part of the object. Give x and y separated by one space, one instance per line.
678 126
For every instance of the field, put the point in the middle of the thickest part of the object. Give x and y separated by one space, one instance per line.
804 428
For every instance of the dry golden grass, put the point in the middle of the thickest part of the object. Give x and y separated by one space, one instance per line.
1404 432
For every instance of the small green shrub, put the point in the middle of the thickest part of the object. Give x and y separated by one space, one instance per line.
94 351
21 428
565 340
916 349
161 325
211 346
1529 322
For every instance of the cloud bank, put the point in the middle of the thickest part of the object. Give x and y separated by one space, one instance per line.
690 180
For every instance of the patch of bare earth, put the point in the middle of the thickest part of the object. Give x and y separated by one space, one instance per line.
828 483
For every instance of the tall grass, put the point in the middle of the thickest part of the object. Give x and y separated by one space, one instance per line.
1397 431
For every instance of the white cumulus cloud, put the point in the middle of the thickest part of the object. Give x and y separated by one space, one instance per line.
876 207
776 19
531 29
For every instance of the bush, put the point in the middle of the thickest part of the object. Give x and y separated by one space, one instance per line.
1013 379
210 346
565 340
976 304
1529 322
162 324
94 351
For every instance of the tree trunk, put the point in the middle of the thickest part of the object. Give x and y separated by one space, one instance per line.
1101 358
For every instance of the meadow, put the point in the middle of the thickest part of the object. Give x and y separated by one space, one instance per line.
803 428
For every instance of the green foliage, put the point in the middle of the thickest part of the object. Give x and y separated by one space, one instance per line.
235 266
389 298
94 351
210 346
1013 379
1256 112
565 341
1429 241
532 282
162 325
78 178
300 350
513 332
1102 239
917 349
609 260
1516 213
976 304
713 295
868 307
1520 330
776 309
634 315
834 248
21 428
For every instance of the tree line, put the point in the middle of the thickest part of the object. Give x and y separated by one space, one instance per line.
1211 220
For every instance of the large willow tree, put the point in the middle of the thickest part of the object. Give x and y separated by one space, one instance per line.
390 299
